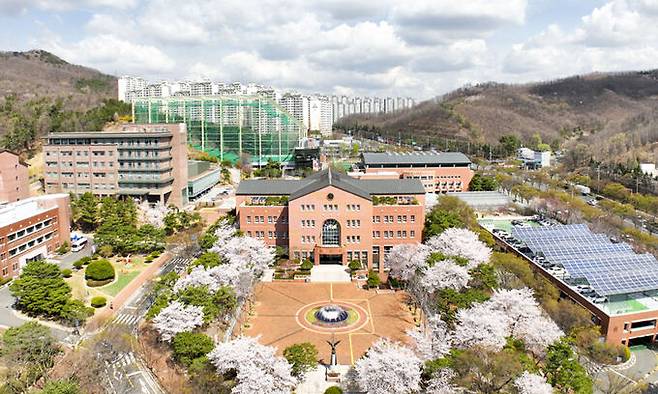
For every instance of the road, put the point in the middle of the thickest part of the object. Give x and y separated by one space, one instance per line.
125 371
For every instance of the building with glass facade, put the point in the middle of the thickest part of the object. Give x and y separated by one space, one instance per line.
228 127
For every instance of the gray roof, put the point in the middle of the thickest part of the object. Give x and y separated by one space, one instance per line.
322 179
418 158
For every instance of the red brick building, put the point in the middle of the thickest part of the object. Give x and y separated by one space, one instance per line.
331 217
14 178
440 172
32 229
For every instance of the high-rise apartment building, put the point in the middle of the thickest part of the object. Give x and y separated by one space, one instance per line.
345 106
127 85
145 161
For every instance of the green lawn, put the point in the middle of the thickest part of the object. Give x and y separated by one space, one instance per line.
123 280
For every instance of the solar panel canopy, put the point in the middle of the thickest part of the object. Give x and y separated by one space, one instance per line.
610 268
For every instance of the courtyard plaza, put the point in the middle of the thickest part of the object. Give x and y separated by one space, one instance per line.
284 314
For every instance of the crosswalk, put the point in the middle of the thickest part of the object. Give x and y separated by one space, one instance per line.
126 319
124 360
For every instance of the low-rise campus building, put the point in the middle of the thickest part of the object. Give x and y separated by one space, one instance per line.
32 229
144 161
440 172
330 217
616 285
14 178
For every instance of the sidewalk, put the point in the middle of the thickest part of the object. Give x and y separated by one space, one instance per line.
100 318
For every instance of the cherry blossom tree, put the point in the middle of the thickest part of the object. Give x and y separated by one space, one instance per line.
463 243
440 383
223 232
257 368
444 275
527 321
433 341
405 259
199 276
508 313
389 368
153 215
248 251
177 317
480 325
529 383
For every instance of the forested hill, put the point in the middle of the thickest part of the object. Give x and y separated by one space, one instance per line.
41 93
38 73
615 116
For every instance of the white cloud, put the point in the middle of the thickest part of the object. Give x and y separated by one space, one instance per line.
22 6
420 48
432 21
618 36
112 54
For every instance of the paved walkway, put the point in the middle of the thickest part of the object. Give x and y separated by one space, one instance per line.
330 273
126 293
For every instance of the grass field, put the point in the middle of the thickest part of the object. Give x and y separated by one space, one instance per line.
126 273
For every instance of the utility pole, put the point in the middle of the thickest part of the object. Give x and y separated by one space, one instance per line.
598 179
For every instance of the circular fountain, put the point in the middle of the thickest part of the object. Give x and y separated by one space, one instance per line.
331 314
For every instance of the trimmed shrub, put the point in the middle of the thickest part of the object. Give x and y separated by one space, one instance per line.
155 254
4 281
148 259
373 279
78 264
306 265
99 270
86 260
98 301
67 273
333 390
354 265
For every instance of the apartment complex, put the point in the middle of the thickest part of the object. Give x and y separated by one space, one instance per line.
439 172
332 218
144 161
32 229
14 178
346 105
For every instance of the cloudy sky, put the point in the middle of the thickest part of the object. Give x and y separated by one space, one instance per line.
420 48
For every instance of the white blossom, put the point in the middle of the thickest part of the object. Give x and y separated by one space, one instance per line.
432 342
508 313
177 317
153 215
463 243
440 383
248 251
405 259
199 276
527 322
529 383
480 325
516 303
537 334
389 368
223 232
443 275
258 369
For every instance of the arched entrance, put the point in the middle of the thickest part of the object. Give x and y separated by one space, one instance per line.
331 252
